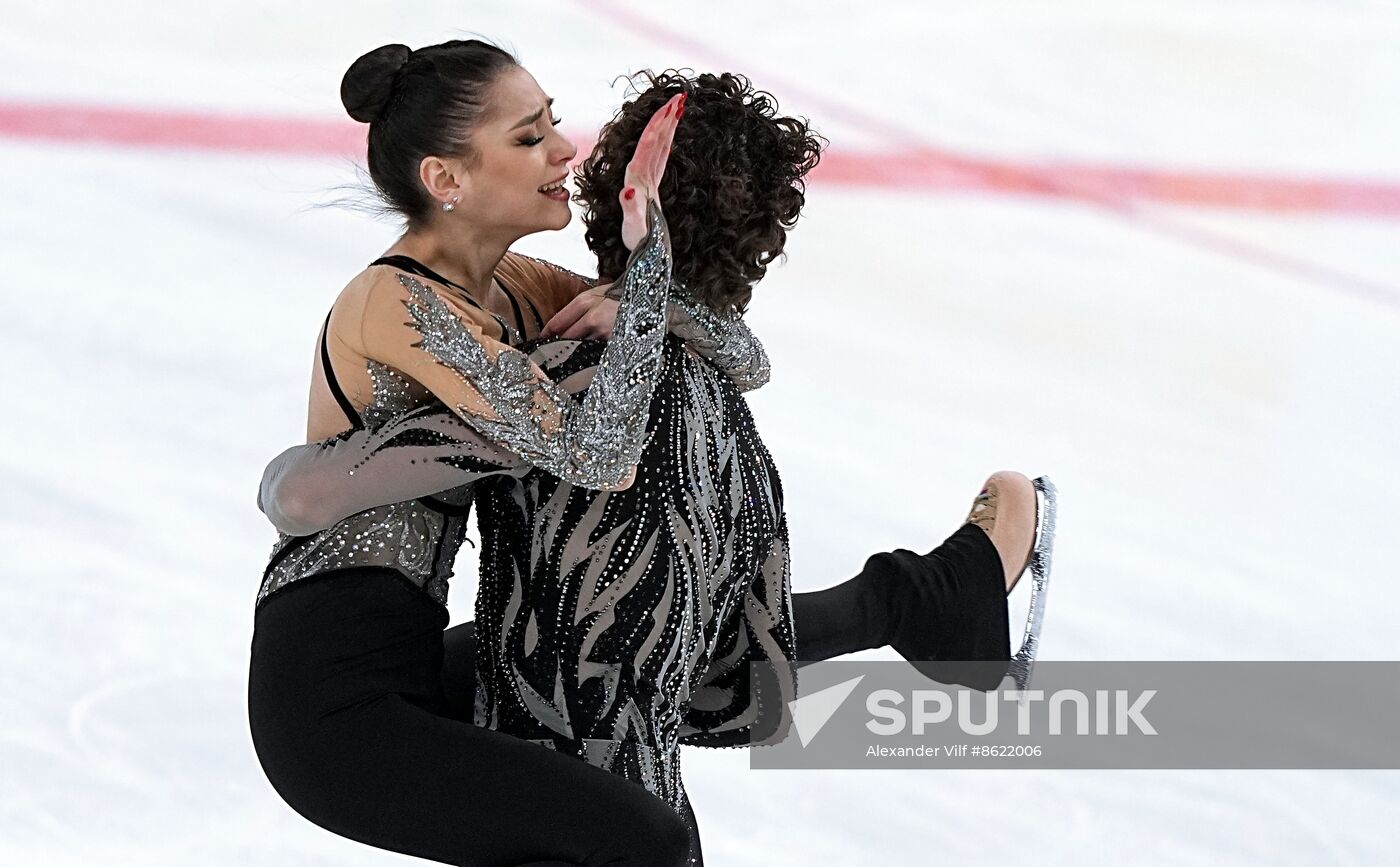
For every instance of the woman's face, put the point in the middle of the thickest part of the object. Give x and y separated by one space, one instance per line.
516 184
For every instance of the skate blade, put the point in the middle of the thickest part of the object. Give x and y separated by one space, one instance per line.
1023 662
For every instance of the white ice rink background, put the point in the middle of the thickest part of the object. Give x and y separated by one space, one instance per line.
1149 249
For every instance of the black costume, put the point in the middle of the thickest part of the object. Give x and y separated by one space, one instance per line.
613 625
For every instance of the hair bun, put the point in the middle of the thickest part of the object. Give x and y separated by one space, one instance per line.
369 82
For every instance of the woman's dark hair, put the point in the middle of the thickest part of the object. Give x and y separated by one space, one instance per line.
417 104
734 183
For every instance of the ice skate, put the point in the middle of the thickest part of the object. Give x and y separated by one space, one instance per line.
951 619
1007 493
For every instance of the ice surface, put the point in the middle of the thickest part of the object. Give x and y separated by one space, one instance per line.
1213 390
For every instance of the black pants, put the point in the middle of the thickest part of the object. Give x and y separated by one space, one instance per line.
346 709
361 707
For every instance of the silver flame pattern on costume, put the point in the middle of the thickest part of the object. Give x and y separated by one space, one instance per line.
417 539
420 539
612 625
618 625
595 444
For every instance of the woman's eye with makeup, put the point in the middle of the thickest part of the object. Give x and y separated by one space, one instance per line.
531 142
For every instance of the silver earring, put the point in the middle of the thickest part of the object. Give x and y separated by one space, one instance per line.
449 206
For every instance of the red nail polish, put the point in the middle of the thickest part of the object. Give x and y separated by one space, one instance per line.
629 193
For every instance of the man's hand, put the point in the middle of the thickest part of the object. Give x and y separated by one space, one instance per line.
591 315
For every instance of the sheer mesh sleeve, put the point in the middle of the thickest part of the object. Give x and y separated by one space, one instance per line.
423 452
745 695
595 443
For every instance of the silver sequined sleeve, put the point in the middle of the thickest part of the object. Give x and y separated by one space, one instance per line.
312 487
724 341
598 442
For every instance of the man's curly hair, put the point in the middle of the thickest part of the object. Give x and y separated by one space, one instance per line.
734 183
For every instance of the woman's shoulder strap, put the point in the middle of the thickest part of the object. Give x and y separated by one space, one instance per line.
345 405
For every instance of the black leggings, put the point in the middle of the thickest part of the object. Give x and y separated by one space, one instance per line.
346 709
361 705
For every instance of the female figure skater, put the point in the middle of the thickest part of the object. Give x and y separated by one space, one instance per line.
345 674
425 451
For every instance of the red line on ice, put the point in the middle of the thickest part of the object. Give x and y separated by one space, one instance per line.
1116 190
155 128
913 168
